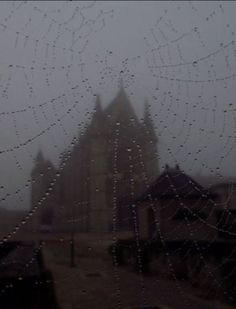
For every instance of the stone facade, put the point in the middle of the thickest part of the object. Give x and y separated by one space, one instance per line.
115 157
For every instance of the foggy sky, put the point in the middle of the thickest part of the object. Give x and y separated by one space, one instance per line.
180 56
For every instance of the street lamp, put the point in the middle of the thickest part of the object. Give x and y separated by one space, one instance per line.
72 239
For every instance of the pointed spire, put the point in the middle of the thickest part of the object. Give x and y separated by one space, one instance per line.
121 84
39 157
39 162
146 117
98 121
122 97
98 106
121 91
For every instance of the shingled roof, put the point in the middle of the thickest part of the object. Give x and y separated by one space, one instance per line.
174 183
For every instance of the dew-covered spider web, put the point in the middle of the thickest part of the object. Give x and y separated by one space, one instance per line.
118 135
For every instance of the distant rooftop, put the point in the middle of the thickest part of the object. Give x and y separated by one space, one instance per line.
174 183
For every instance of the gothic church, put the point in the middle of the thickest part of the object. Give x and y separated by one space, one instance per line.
113 162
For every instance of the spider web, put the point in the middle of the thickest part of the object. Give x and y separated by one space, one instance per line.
47 84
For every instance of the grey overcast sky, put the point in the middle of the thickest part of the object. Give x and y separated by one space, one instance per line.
56 55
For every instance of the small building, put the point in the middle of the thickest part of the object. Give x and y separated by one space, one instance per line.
225 209
175 207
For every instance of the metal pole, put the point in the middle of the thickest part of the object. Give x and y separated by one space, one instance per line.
72 240
72 252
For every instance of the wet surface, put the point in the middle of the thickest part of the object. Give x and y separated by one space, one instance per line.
96 283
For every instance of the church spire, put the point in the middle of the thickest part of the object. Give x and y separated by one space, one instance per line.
98 113
148 123
39 162
121 84
39 157
98 121
98 107
121 91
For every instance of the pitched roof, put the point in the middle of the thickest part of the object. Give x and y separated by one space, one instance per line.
174 183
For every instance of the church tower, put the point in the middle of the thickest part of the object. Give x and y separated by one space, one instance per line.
115 150
99 210
127 133
37 188
43 197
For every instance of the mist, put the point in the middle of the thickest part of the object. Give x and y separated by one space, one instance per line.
56 57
